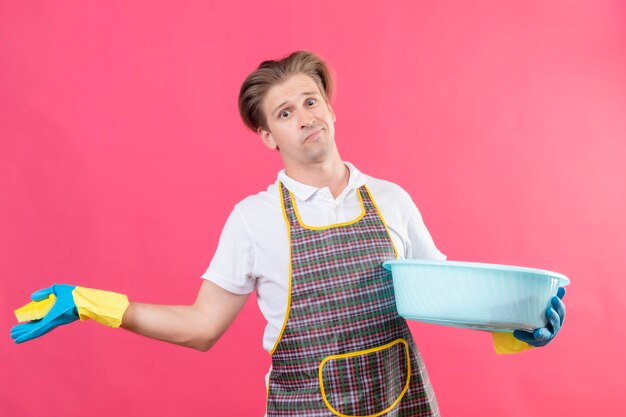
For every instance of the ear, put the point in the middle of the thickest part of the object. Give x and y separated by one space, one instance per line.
267 138
332 113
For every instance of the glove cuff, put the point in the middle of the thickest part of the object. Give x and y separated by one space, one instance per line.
505 342
105 307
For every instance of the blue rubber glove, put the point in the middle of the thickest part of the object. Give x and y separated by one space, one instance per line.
555 314
63 311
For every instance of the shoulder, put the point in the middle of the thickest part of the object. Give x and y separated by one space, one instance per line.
259 209
386 192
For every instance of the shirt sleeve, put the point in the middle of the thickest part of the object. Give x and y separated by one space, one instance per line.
232 265
420 243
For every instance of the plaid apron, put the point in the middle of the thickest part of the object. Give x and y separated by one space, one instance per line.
343 349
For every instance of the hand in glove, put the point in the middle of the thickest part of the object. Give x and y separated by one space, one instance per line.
555 314
63 304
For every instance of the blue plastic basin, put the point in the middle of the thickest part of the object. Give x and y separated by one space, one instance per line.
473 295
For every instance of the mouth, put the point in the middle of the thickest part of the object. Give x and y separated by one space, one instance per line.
315 134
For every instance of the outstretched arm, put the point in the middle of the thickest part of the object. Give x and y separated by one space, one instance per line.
197 326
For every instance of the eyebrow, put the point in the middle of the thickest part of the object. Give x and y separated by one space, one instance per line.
307 93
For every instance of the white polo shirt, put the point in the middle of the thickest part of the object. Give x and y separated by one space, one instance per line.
253 250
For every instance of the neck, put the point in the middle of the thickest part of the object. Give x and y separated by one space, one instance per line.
331 173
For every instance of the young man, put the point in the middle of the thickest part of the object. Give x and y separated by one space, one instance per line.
311 246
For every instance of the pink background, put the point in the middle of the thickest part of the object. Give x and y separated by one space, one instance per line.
122 154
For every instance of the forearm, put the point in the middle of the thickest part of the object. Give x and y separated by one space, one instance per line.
197 326
181 325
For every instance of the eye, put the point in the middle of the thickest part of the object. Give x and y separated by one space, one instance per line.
311 101
284 114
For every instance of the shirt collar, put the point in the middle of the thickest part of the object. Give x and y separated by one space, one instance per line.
304 191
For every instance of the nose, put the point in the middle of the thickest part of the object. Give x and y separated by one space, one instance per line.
307 119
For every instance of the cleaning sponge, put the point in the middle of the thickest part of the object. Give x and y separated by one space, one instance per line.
35 309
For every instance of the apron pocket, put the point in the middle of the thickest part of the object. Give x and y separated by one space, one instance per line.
369 382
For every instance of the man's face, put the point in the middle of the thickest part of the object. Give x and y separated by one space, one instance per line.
300 122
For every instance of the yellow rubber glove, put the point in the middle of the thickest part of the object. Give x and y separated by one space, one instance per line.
105 307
